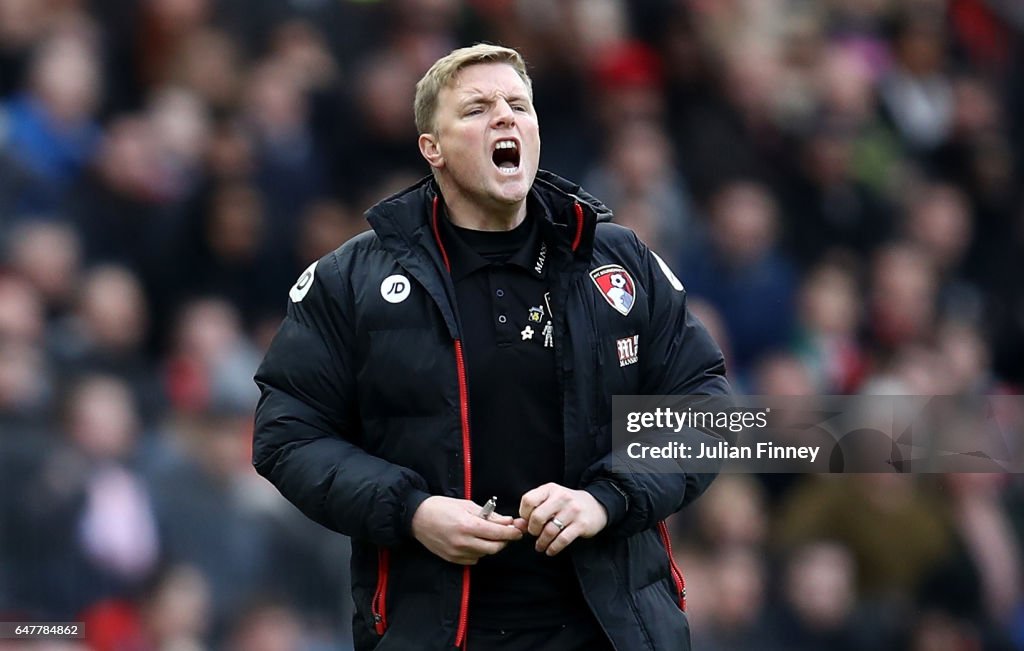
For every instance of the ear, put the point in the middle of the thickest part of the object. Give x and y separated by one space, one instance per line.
430 149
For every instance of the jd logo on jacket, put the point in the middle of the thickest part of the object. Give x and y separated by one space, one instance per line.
302 285
395 289
616 286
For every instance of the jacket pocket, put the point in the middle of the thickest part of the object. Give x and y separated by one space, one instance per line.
677 575
378 607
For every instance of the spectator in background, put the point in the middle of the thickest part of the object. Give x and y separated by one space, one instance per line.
116 206
87 530
205 519
979 585
48 255
846 80
171 613
26 387
180 127
637 172
968 358
208 64
902 297
233 252
386 142
52 134
826 207
302 48
289 167
210 359
734 515
23 317
819 600
267 627
737 622
26 382
162 31
628 87
22 25
108 332
738 115
743 274
916 92
829 315
230 154
939 223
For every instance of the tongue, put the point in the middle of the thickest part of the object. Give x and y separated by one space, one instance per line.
507 165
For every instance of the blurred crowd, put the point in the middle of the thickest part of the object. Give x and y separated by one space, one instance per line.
837 182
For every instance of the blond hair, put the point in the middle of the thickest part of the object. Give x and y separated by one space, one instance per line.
442 74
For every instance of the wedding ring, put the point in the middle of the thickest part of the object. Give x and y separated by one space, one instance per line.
558 523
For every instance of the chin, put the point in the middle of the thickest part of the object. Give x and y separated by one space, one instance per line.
510 190
515 189
512 196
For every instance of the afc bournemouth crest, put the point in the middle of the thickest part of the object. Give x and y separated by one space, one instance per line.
616 286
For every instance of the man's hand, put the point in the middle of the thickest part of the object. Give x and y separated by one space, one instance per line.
454 530
542 509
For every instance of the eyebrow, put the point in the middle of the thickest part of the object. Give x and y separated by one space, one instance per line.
477 97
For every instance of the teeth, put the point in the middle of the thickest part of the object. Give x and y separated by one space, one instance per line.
506 144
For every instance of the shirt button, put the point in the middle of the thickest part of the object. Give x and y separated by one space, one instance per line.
500 293
502 319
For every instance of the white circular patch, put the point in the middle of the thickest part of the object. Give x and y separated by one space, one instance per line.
678 286
395 289
302 285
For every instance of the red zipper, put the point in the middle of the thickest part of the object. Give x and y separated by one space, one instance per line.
460 634
379 605
579 225
677 575
467 476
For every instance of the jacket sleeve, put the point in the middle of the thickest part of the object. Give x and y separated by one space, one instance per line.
306 438
678 358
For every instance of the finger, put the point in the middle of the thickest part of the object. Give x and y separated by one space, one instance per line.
564 539
470 552
487 530
551 507
480 547
520 524
547 534
503 520
532 499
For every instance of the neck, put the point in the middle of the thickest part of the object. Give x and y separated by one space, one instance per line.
464 212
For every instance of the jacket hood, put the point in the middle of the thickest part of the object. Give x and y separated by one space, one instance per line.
556 184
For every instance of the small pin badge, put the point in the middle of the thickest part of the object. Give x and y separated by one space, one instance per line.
527 333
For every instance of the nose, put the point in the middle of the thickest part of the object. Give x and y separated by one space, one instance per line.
504 116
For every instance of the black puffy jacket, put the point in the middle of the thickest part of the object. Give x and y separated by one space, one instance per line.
364 414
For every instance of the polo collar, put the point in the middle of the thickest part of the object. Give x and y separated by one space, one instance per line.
532 256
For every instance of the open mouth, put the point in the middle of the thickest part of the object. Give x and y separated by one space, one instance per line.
506 156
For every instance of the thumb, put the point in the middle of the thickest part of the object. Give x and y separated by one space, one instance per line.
497 518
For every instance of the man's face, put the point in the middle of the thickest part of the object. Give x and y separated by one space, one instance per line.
487 136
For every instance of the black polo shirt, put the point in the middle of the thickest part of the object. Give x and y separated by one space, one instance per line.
515 412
